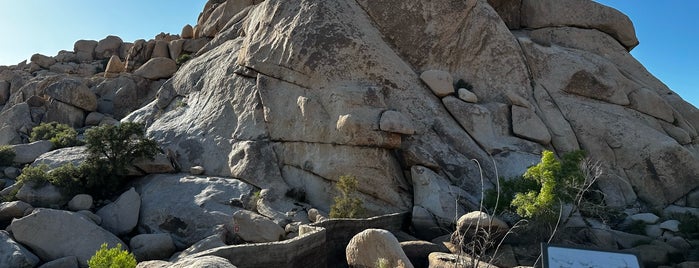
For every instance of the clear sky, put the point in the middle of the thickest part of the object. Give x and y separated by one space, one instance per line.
48 26
668 30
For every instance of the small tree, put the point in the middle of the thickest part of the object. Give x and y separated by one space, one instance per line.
347 205
112 258
60 135
110 151
7 155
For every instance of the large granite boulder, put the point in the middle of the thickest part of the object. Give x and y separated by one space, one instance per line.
54 234
12 254
368 246
187 207
121 216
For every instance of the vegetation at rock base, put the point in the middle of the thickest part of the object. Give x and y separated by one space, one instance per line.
7 155
110 149
112 258
60 135
540 191
183 58
347 205
462 84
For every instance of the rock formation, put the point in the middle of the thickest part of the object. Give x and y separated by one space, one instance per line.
425 103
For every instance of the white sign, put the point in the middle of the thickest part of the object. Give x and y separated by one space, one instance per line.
557 256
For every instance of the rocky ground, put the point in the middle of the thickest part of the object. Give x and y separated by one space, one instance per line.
263 105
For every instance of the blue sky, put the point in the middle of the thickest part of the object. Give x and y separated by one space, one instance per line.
668 30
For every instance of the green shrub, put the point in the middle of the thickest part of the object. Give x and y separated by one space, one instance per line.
347 205
183 58
112 258
508 190
111 149
34 174
559 182
60 135
7 155
689 224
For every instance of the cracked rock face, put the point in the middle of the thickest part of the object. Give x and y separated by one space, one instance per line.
290 95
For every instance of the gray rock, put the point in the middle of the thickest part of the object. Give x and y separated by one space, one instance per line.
121 216
4 91
12 254
467 96
670 225
159 164
444 206
424 223
107 47
11 172
46 195
93 119
582 14
255 228
27 153
147 247
74 92
649 218
440 82
43 61
91 216
157 68
189 208
526 124
65 262
196 170
12 210
366 247
63 156
418 251
205 261
54 234
80 202
393 121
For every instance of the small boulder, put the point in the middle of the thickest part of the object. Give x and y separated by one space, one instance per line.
107 47
368 246
418 251
84 50
157 68
65 262
440 82
396 122
12 210
11 172
91 216
46 195
467 96
114 67
12 254
160 50
54 234
93 119
205 261
447 260
187 32
147 247
159 164
670 225
74 92
121 216
255 228
56 158
526 124
473 223
80 202
27 153
43 61
648 218
196 170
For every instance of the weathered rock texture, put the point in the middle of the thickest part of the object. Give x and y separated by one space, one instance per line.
290 95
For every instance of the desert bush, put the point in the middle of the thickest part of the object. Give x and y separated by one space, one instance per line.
112 258
183 58
559 181
7 155
34 174
347 205
60 135
110 151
